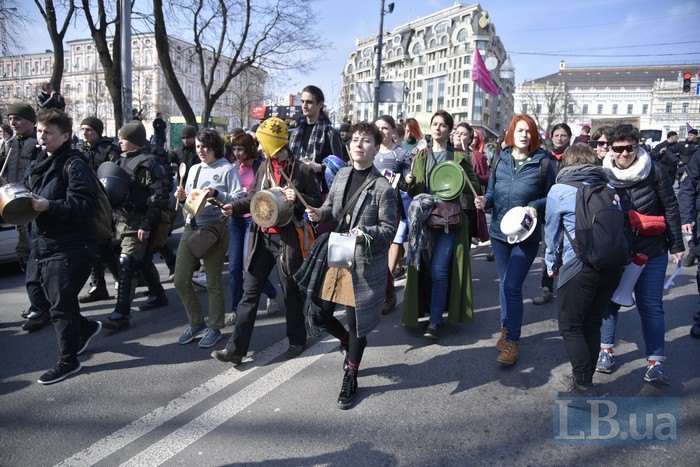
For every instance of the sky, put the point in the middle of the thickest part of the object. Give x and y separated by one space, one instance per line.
586 32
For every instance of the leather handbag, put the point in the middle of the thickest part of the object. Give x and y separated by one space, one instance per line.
445 216
205 239
341 250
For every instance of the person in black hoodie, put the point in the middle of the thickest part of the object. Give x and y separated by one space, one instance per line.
668 154
63 238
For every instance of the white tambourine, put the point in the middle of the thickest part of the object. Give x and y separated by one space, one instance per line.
518 224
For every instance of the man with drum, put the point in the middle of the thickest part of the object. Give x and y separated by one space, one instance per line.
276 245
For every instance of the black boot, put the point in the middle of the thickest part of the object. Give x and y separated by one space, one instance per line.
119 318
169 257
156 293
98 286
346 399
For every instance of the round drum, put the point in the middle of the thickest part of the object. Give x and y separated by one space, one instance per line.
447 180
16 204
269 208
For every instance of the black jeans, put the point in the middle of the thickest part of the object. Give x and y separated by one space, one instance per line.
35 292
61 279
267 254
355 345
580 305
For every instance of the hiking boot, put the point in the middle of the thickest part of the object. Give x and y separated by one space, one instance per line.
230 319
59 372
572 387
389 302
501 344
431 330
656 374
605 362
92 331
272 306
36 320
346 398
546 297
95 294
154 301
509 355
211 337
191 333
227 357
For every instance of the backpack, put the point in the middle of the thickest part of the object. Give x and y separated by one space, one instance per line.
103 219
603 234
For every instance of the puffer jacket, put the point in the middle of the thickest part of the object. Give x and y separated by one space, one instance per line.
654 196
67 228
508 189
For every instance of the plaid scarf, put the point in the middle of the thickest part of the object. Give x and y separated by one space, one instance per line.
316 140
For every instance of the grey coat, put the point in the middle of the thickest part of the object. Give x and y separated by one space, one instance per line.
375 214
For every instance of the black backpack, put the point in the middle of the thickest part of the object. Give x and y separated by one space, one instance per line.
603 233
103 219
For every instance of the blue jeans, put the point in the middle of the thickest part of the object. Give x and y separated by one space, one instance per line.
439 273
648 294
513 263
237 249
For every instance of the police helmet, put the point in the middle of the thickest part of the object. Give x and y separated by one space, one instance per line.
116 182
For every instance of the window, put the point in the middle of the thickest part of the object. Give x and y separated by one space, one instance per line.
443 41
645 108
585 109
416 48
399 51
441 92
90 62
538 109
630 107
441 28
78 62
685 107
669 108
462 35
419 95
429 95
433 43
397 39
614 109
571 109
465 87
27 68
79 89
390 55
600 109
524 108
465 102
350 68
482 45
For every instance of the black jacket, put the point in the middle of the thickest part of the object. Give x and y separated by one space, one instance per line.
105 150
686 149
68 227
670 158
22 150
50 101
654 196
689 191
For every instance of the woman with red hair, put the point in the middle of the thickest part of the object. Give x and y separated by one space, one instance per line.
521 175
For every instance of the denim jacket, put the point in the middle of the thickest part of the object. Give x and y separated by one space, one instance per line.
561 210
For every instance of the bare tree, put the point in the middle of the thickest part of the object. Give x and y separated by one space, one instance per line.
231 36
48 12
245 93
548 104
13 25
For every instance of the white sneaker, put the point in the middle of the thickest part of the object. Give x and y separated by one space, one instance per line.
272 306
200 280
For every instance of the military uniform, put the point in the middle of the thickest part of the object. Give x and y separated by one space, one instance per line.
104 150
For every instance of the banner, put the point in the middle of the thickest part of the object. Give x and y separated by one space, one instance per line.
481 76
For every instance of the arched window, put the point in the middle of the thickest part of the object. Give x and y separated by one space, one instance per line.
462 35
443 40
416 48
433 43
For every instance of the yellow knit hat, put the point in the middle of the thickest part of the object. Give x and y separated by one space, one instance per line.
272 135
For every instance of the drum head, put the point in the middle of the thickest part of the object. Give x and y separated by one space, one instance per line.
264 209
19 211
447 180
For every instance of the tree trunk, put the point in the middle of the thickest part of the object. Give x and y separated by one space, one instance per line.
48 12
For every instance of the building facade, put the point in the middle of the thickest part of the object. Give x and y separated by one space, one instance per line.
429 62
651 96
85 92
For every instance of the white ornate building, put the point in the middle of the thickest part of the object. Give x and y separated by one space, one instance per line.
651 94
432 58
84 90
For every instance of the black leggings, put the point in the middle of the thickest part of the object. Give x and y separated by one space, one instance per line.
355 345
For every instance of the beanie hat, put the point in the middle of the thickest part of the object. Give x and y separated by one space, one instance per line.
272 135
237 131
693 132
188 131
23 110
344 127
135 133
94 123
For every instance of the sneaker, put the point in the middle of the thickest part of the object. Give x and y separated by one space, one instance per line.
509 355
546 297
605 362
36 320
656 374
501 344
59 372
226 357
230 319
272 306
211 337
294 351
200 280
431 330
346 398
25 313
572 387
95 328
191 333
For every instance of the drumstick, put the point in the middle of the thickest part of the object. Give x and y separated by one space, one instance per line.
471 187
215 202
182 171
7 158
291 185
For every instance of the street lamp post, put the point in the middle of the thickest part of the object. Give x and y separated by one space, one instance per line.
378 71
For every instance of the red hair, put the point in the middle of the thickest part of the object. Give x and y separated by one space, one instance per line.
477 142
413 128
531 125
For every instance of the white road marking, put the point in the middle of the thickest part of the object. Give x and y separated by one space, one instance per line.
131 432
177 441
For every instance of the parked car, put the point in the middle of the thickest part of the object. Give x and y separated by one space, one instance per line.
8 242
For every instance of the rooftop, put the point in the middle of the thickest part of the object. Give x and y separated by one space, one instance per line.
627 76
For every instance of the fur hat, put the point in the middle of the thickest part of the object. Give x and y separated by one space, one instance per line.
94 123
23 110
272 135
135 133
188 131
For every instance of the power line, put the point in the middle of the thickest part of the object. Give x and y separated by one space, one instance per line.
546 54
622 47
617 23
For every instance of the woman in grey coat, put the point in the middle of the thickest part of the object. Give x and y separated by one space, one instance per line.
370 205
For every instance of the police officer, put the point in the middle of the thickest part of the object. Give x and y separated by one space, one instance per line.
136 222
689 204
186 153
96 150
22 150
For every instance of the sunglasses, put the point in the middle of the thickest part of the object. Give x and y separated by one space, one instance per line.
620 149
599 144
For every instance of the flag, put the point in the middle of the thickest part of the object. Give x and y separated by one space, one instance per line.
688 127
481 76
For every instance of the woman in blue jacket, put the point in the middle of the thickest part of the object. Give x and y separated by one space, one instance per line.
520 176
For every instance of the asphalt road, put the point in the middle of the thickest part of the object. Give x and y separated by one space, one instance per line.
142 399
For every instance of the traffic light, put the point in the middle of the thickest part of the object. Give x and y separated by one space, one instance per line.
686 81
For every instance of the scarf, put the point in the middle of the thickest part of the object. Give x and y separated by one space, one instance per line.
316 140
593 174
624 178
309 278
420 237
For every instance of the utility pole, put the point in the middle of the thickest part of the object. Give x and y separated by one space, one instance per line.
378 71
125 40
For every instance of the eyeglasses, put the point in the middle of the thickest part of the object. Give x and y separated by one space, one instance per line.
620 149
600 144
